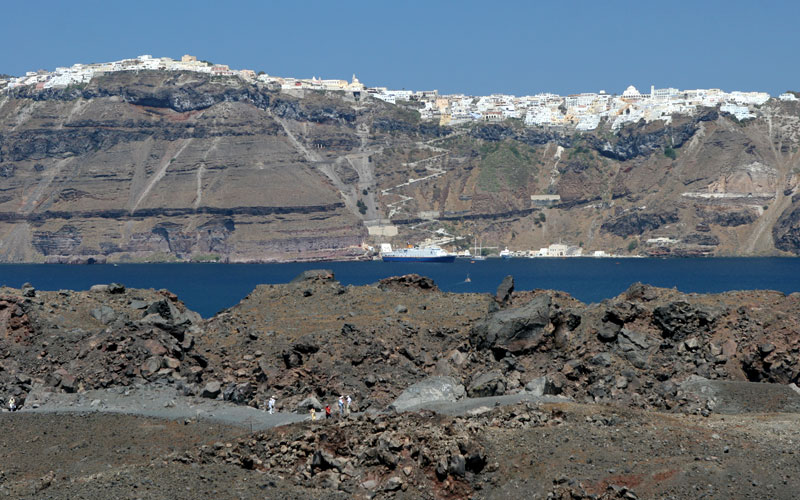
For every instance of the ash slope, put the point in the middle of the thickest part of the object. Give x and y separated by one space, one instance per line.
162 166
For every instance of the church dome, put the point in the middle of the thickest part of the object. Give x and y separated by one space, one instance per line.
631 92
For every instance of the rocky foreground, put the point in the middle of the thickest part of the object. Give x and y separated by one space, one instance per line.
656 393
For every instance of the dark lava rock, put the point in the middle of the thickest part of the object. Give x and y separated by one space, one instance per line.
608 330
786 231
408 281
505 290
116 288
28 290
517 330
292 359
487 384
457 466
701 239
314 275
349 329
238 393
637 222
729 218
679 319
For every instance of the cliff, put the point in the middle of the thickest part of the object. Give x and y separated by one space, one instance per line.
185 166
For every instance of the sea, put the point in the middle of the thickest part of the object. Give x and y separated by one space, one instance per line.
210 288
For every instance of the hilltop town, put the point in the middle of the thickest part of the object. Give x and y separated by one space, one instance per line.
151 159
582 111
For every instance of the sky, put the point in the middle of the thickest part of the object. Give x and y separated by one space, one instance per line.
470 47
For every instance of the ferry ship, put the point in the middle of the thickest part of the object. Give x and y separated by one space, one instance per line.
415 254
505 254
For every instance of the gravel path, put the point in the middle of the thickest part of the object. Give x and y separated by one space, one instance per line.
167 403
157 402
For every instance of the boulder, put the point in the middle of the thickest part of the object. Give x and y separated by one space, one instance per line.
150 366
171 363
116 288
292 359
308 403
165 315
634 346
211 390
238 393
518 330
138 304
323 460
602 359
474 455
542 386
505 290
630 340
68 382
98 288
28 290
457 465
394 483
154 347
608 331
103 314
432 389
487 384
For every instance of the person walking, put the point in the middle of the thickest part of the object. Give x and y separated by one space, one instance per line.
347 405
341 406
313 414
12 404
327 412
271 405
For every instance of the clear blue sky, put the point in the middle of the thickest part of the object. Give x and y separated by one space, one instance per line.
464 46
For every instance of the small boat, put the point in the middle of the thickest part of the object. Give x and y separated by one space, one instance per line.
478 253
415 254
467 280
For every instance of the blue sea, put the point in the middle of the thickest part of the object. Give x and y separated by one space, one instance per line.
209 288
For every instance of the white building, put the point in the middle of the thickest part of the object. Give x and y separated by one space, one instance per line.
740 112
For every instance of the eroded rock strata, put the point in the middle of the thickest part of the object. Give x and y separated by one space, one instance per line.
163 166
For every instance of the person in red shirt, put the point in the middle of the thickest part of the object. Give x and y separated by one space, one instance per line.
327 412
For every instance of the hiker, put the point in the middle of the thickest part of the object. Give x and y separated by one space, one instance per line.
12 404
313 414
327 412
348 404
341 406
271 405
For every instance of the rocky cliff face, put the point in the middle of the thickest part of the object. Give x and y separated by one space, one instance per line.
170 165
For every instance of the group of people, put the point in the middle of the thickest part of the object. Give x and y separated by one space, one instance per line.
343 402
344 408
